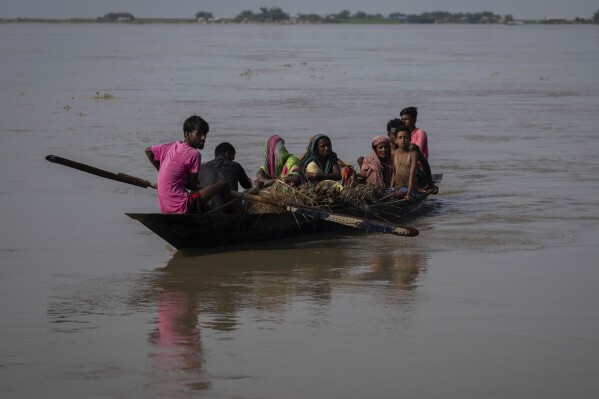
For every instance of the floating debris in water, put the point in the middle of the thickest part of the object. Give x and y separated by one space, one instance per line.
248 73
105 96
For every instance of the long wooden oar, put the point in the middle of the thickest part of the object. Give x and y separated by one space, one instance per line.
123 178
350 221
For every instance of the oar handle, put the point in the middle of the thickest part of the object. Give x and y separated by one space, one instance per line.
142 182
121 177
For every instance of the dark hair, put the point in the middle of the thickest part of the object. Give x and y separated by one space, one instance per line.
195 122
223 148
394 123
412 111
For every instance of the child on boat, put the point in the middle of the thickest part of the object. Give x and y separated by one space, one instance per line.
392 126
319 162
405 168
178 165
405 164
278 165
423 172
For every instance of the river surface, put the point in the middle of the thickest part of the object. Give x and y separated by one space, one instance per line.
497 296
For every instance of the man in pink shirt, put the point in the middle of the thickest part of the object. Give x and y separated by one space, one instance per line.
178 164
408 117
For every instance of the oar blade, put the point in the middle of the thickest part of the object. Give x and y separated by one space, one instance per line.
368 225
375 226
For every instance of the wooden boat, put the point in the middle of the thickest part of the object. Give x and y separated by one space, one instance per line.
215 230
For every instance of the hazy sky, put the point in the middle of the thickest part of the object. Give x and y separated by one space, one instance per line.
520 9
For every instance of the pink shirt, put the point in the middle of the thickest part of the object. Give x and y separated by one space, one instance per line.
419 138
178 160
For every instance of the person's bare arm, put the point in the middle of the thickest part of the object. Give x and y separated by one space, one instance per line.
317 177
262 178
293 180
244 180
153 161
412 179
220 187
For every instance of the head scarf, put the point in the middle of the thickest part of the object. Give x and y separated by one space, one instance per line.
311 154
377 173
277 161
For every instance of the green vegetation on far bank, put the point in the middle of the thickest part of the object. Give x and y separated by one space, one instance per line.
276 15
137 21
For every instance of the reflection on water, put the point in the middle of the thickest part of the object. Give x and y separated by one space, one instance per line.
401 269
176 341
232 293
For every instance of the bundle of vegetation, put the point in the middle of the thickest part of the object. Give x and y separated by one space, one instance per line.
327 195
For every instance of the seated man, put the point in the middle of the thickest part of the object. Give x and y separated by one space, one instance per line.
418 136
223 166
226 168
178 164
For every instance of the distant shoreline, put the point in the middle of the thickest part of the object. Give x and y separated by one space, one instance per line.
188 21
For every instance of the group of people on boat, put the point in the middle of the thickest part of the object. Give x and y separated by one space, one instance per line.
398 162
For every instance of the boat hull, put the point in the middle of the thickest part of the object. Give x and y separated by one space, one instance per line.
218 230
208 231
